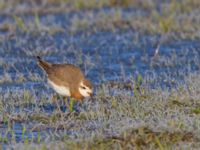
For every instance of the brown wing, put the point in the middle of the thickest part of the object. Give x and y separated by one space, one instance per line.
66 74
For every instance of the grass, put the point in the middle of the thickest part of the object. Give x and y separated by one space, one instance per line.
157 121
165 18
20 23
139 138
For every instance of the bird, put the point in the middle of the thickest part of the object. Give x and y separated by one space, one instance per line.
67 80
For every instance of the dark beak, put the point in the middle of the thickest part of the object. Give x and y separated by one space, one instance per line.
90 93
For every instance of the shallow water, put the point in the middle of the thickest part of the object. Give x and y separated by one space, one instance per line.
103 56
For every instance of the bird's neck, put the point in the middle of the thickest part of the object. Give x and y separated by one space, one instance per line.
77 95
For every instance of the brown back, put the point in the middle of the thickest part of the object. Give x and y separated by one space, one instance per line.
64 75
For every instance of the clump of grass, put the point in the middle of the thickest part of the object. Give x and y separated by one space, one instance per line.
27 97
122 3
37 21
23 132
81 4
20 23
137 86
6 78
3 139
21 78
197 110
79 24
35 27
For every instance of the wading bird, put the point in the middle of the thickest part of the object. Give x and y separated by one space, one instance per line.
67 80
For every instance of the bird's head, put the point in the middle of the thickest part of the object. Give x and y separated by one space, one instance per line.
85 88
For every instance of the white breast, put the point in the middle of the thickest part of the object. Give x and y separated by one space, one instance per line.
62 90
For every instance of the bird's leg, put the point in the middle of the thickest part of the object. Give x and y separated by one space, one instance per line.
55 101
66 102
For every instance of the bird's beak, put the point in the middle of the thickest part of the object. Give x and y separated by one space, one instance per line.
90 93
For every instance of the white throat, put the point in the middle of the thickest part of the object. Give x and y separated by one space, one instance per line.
84 90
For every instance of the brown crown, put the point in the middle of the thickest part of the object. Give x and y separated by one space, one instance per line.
87 83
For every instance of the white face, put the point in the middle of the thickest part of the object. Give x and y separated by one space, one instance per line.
84 90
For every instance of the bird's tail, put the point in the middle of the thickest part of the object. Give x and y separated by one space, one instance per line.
43 64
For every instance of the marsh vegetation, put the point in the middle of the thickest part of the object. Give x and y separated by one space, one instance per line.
143 58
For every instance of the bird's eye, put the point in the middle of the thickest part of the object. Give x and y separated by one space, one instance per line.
83 87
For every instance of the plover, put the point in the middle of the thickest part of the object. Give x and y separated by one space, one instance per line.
67 79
